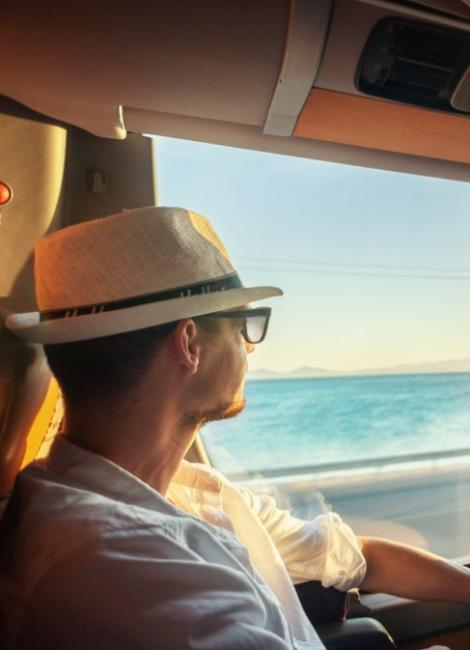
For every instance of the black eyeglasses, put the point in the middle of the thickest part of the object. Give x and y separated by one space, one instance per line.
255 321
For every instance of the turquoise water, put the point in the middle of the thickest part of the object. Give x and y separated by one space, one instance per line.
299 422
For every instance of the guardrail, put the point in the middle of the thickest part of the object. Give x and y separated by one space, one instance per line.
297 470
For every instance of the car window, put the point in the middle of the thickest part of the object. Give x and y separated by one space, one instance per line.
359 398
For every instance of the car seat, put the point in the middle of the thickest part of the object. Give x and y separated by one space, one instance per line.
30 409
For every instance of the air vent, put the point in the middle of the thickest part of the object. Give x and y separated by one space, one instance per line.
414 63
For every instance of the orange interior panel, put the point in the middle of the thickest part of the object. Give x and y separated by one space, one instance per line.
44 426
377 124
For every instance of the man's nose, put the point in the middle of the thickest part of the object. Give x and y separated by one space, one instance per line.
249 347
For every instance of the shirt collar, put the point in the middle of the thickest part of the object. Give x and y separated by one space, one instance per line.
198 477
96 473
102 475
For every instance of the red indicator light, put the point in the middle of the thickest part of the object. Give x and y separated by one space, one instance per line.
5 193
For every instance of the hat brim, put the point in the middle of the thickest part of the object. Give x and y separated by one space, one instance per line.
28 326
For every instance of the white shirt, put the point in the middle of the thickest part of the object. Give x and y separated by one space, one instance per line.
92 557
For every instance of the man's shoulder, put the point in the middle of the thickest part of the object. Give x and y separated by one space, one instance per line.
46 518
59 543
44 507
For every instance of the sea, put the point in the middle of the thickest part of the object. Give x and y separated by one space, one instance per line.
298 423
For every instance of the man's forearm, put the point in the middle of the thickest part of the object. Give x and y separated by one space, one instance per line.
412 573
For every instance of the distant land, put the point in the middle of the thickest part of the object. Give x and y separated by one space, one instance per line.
460 365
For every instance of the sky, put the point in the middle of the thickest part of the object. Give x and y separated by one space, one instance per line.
375 266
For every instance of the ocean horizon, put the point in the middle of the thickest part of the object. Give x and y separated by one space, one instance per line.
300 422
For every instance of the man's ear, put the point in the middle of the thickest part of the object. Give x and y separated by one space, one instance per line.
187 345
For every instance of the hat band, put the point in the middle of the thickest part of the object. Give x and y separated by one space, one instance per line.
231 281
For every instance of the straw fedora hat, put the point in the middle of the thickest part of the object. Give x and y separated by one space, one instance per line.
128 271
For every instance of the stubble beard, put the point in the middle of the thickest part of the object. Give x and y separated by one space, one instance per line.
223 411
226 411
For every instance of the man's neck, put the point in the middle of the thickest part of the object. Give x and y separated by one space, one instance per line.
148 442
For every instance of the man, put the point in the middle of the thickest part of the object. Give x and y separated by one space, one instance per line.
114 541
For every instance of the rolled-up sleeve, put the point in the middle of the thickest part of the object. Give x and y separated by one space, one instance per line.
324 548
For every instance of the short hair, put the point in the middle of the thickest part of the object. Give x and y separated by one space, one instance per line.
103 368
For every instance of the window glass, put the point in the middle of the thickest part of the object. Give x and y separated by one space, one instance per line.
359 397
